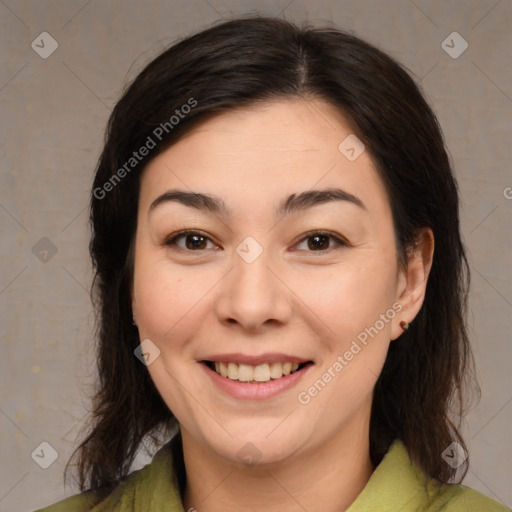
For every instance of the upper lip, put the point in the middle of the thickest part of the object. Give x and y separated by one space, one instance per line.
272 357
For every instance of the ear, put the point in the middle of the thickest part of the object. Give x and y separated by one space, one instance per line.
412 281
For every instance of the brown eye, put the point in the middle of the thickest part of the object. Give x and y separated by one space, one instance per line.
319 241
194 241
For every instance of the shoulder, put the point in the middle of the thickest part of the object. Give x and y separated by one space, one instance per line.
459 498
123 492
78 503
153 487
397 483
86 501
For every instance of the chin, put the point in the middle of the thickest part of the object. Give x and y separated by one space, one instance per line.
256 449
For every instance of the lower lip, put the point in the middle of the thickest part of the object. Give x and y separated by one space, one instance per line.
259 391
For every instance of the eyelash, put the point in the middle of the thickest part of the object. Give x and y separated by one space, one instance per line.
171 241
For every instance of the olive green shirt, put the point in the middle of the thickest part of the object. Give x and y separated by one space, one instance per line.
395 485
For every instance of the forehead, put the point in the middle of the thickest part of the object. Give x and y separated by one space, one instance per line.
266 152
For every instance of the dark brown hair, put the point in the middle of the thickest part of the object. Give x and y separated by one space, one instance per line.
419 396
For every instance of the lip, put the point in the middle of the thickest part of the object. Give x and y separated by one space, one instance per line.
269 357
259 391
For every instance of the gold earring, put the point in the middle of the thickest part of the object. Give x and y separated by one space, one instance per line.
404 325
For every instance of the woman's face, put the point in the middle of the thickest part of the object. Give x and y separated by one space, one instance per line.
268 281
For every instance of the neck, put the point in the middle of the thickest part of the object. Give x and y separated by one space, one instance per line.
332 476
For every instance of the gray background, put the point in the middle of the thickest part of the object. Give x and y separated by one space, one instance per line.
53 115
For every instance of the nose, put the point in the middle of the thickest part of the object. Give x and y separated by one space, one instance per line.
253 295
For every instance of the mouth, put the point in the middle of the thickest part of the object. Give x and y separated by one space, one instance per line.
259 374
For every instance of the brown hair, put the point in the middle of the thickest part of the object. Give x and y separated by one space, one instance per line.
420 392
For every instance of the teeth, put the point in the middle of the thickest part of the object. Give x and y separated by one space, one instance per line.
232 371
276 370
261 373
245 373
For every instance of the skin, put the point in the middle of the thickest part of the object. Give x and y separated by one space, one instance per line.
293 299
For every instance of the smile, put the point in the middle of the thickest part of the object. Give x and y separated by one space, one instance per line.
254 374
258 381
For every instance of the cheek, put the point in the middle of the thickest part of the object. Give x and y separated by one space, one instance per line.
349 304
170 298
351 296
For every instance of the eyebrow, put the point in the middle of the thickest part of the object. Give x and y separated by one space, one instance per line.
292 204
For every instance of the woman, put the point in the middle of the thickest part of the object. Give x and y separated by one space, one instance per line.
280 275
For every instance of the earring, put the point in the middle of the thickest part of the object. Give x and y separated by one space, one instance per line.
404 325
133 320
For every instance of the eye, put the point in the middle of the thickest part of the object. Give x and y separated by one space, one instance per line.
194 241
320 241
197 242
